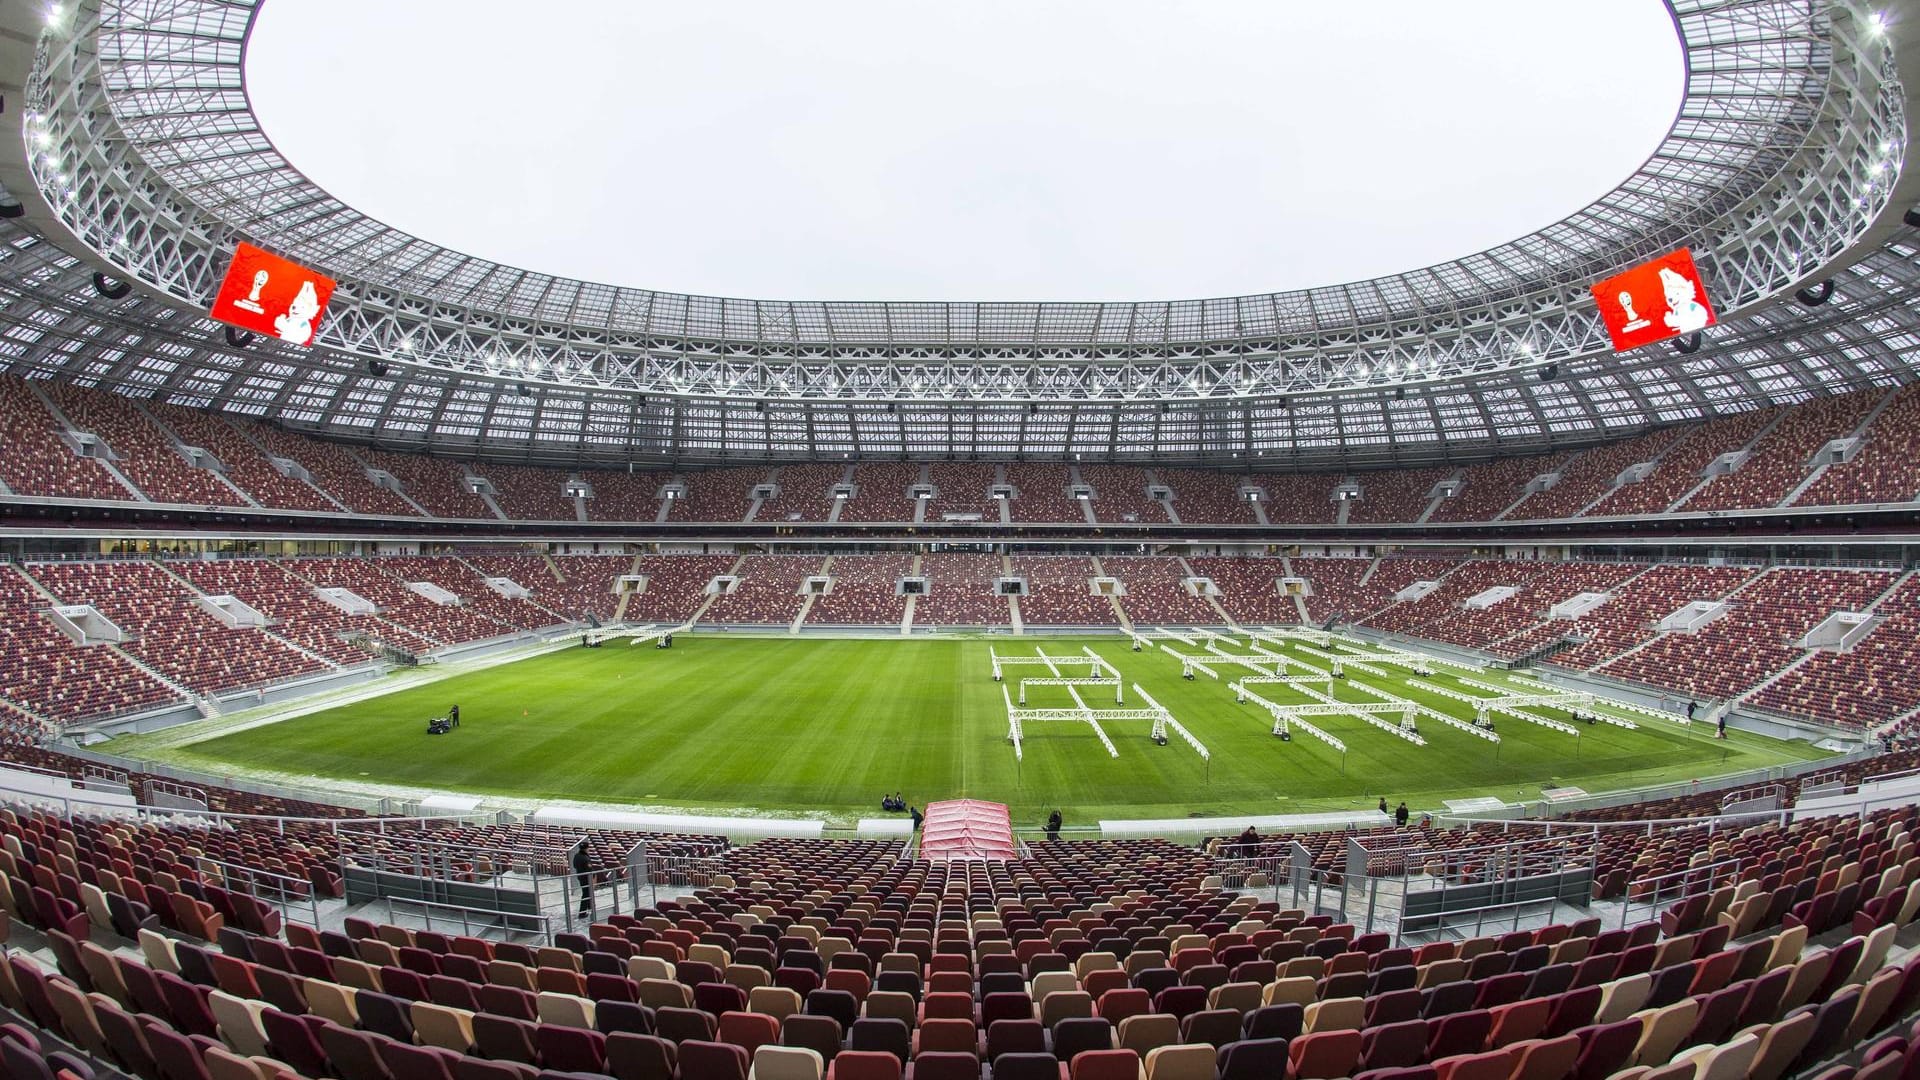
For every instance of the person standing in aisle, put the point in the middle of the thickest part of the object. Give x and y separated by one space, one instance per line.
583 871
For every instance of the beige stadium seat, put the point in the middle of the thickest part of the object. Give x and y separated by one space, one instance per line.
1143 1033
1780 1045
443 1026
1661 1031
567 1010
1063 1004
894 1004
1336 1014
778 1002
1181 1062
239 1024
1623 997
772 1062
332 1001
648 967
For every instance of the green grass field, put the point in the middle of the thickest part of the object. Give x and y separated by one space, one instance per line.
806 725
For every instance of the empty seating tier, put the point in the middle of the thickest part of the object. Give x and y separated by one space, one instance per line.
171 632
676 586
334 470
1041 494
960 591
1249 590
1059 592
1157 594
1201 497
1299 499
1783 458
1488 490
717 495
806 493
524 493
1397 496
37 462
881 494
44 671
245 463
1683 467
1628 616
866 592
1120 495
1887 468
146 453
437 484
625 496
1757 638
962 490
768 593
1591 474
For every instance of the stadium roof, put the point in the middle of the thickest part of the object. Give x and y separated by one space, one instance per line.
992 150
1784 168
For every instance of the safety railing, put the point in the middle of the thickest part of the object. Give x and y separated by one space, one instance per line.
1646 897
473 921
167 794
1477 920
293 896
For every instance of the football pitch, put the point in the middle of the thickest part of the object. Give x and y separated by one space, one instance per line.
782 724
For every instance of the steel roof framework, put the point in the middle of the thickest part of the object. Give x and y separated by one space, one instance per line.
1785 152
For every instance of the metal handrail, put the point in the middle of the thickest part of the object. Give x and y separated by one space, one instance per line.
71 802
1548 826
283 889
500 919
1665 888
1448 918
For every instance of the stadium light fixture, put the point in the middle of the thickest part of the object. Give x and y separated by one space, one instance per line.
1815 295
111 288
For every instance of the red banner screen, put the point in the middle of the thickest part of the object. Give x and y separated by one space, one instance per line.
1654 301
268 295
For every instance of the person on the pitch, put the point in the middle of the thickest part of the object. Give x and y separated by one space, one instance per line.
1400 815
1383 805
453 716
1053 827
917 817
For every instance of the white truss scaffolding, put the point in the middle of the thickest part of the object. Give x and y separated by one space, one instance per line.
1484 707
1162 721
1282 635
1285 719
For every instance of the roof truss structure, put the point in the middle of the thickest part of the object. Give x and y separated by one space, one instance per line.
1784 157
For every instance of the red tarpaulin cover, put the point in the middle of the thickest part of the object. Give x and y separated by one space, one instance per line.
967 829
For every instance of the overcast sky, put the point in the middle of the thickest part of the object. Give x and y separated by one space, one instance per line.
986 150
